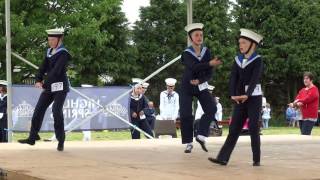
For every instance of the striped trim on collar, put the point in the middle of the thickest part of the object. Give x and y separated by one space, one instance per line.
245 64
61 48
203 52
2 97
136 97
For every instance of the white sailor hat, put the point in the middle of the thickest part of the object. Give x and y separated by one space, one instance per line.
136 80
86 85
170 81
57 32
145 85
194 26
3 82
210 88
251 35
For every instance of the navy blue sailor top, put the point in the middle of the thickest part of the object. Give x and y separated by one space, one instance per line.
196 67
137 104
245 78
54 69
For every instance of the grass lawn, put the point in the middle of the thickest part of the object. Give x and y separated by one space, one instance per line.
125 134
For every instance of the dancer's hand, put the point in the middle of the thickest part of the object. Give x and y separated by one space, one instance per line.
299 104
194 82
38 85
215 62
134 115
236 99
243 98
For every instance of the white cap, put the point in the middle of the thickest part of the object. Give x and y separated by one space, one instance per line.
251 35
3 82
136 80
210 87
193 26
218 98
55 32
145 85
86 85
170 81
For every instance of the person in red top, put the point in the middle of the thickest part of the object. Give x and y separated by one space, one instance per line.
308 102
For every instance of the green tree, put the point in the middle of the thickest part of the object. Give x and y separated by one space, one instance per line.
96 36
159 37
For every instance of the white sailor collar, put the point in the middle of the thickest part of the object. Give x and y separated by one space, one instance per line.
166 92
2 97
59 49
136 97
241 61
192 52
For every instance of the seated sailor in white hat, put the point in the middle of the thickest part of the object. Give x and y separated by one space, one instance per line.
198 70
245 91
137 105
169 101
52 78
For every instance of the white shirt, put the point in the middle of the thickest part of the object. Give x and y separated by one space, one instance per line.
266 113
169 105
218 115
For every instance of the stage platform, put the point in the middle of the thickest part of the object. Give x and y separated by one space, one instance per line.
293 157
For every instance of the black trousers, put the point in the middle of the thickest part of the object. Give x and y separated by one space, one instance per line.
187 124
3 127
306 127
46 98
250 109
143 125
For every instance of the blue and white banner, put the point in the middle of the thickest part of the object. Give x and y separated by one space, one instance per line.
76 108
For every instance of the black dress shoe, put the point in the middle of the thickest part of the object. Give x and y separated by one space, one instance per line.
203 144
60 146
27 141
37 137
188 148
216 161
256 164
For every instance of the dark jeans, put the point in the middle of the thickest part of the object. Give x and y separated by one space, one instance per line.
306 126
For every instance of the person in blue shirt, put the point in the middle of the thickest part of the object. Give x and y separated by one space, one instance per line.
52 79
246 93
290 115
198 70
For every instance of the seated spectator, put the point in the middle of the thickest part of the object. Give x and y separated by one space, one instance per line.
150 113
